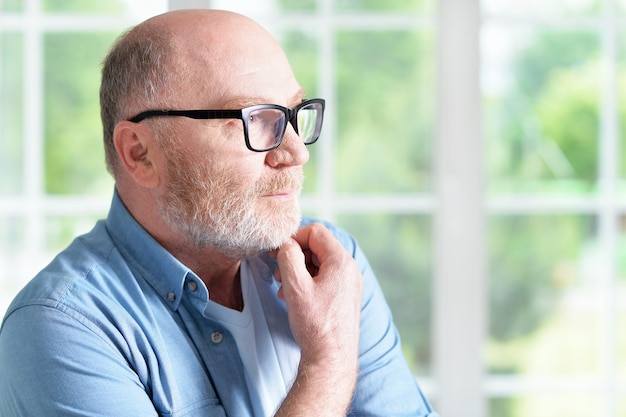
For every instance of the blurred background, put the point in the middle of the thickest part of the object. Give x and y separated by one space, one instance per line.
475 149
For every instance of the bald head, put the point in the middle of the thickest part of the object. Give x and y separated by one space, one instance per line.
188 59
205 25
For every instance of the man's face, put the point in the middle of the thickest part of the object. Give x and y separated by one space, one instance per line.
216 192
218 205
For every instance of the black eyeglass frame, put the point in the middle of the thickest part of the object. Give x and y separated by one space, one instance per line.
291 116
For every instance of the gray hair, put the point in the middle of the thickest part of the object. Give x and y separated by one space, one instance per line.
136 75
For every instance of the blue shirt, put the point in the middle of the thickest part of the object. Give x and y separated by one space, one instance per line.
115 326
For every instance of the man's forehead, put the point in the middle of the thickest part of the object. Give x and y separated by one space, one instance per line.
236 102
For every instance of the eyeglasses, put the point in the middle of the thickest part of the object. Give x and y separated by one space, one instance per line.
264 125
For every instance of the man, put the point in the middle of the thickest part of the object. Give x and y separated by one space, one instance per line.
203 293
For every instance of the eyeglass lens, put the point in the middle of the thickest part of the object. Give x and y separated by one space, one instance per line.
266 127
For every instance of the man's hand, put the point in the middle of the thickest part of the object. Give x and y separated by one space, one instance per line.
321 286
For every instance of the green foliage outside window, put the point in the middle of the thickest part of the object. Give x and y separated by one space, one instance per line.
400 251
11 116
362 5
533 260
385 91
84 7
12 6
74 151
543 133
383 6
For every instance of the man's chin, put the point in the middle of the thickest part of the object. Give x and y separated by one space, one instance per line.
273 239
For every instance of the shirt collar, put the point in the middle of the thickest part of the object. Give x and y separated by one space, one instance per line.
145 255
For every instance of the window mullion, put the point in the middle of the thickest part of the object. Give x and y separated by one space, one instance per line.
34 189
608 216
459 282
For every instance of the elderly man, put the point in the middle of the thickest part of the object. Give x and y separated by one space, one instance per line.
203 293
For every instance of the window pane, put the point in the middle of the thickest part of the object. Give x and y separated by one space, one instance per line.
621 91
386 111
546 405
543 296
139 9
11 116
385 5
541 7
541 105
400 252
11 6
74 153
298 5
621 402
80 6
621 305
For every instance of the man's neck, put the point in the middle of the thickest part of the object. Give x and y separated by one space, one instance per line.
230 296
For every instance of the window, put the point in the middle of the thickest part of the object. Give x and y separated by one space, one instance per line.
553 108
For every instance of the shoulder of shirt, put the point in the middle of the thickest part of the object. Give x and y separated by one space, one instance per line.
84 261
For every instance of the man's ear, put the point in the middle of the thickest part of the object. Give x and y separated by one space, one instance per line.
137 151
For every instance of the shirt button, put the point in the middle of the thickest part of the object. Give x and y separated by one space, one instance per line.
193 286
171 297
216 337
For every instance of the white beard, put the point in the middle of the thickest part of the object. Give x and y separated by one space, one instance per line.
212 209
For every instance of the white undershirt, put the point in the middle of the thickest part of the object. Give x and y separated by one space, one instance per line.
270 364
